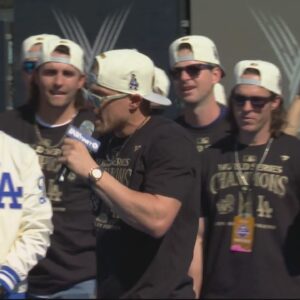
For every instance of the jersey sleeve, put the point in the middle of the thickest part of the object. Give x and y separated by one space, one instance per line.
35 228
172 166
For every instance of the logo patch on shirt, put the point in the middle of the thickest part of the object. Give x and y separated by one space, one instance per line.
284 157
249 158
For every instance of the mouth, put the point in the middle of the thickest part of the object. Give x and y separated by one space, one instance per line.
57 93
186 88
248 120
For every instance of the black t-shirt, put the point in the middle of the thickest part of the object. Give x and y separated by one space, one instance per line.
272 269
71 256
205 136
159 158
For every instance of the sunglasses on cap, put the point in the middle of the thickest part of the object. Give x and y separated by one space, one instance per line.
256 101
29 66
96 100
192 70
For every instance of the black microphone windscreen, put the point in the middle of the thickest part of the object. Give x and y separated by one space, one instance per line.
87 127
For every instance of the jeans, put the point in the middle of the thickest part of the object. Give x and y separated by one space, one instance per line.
81 290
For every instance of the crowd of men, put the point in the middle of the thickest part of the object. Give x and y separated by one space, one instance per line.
203 206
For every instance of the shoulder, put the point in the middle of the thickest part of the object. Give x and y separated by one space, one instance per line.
21 111
162 127
22 114
288 140
15 148
84 114
287 143
222 146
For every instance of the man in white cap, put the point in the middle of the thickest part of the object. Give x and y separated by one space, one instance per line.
55 103
196 71
145 175
250 185
31 51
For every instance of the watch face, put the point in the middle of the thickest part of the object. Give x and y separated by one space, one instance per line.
97 173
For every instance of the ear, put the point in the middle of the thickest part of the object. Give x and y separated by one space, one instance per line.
135 101
81 81
217 74
276 102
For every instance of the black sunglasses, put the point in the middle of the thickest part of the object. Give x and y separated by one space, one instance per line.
29 66
192 70
256 101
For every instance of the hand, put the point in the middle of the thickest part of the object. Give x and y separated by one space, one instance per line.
76 157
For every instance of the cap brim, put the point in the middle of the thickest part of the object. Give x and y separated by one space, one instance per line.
158 99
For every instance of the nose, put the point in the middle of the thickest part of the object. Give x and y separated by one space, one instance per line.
184 75
247 106
58 79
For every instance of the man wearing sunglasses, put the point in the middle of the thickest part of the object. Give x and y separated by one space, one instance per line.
55 102
250 184
196 71
145 176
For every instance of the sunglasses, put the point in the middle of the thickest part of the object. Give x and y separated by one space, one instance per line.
192 70
256 101
96 100
29 66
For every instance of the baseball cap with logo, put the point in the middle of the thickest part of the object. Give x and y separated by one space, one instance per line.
33 40
75 57
270 76
202 49
130 72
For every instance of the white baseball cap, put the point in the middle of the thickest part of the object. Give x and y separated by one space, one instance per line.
219 93
130 72
270 76
75 58
161 82
33 40
202 49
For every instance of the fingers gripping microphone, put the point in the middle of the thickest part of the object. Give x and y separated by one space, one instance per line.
82 134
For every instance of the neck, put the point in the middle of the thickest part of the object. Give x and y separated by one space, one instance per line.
133 125
202 114
57 115
251 139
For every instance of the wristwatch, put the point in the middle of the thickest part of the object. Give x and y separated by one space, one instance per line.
95 174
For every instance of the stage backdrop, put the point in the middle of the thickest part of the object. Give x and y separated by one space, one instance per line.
2 73
99 25
253 29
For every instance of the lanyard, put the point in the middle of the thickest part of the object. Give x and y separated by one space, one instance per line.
246 204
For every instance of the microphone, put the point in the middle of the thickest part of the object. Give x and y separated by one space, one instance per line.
82 134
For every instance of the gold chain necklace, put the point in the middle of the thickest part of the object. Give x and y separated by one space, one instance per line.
45 142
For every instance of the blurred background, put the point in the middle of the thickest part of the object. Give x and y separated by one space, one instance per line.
241 29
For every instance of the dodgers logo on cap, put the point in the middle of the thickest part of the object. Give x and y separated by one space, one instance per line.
133 84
